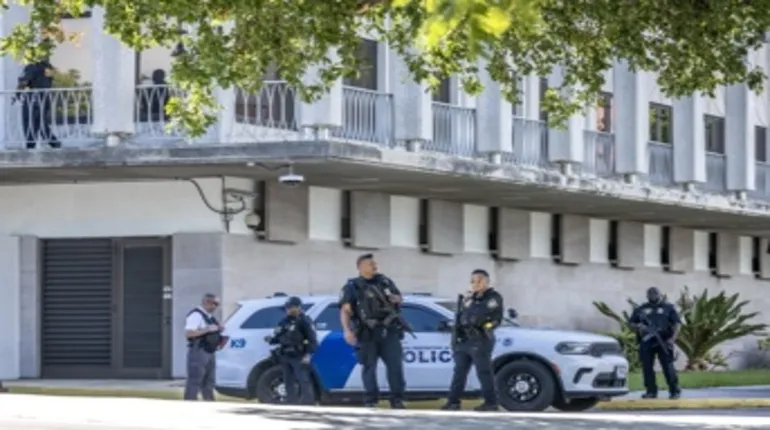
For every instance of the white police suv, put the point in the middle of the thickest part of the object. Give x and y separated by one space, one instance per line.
534 368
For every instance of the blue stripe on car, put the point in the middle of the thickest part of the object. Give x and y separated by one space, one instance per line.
334 361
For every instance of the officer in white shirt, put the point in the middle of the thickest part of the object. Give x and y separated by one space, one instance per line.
204 338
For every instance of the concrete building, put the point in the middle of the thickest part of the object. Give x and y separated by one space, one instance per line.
108 242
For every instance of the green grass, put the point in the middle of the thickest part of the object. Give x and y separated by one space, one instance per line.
687 380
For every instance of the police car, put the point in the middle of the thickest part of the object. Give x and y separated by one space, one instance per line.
534 368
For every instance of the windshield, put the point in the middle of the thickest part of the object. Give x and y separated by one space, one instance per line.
452 306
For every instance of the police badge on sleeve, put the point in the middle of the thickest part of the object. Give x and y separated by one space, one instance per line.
492 304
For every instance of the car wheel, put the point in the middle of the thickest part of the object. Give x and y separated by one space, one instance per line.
270 386
525 385
575 405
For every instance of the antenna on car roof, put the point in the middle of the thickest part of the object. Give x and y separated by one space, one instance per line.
279 294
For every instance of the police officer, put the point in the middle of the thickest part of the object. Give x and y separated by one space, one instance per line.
369 315
296 338
657 323
36 105
204 338
479 314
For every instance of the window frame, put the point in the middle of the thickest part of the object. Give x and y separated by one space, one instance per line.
656 122
415 306
760 143
368 56
337 320
714 134
605 105
244 324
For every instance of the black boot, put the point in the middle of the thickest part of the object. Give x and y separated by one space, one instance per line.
486 407
650 395
449 406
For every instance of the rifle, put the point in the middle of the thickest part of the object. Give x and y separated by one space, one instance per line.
393 314
456 327
652 332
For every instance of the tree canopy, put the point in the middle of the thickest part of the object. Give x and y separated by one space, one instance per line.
692 45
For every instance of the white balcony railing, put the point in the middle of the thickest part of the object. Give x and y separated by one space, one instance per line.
530 143
454 130
367 116
274 107
152 121
716 172
660 157
599 154
41 117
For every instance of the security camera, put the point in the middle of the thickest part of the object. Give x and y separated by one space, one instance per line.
252 220
291 179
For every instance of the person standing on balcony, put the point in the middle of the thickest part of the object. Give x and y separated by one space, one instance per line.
36 104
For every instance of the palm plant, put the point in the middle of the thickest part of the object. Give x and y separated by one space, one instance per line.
707 322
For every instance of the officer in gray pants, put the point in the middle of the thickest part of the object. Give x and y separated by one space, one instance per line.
204 338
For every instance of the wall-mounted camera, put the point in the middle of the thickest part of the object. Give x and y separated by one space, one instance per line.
291 179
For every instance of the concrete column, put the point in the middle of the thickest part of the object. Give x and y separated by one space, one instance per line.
412 105
29 262
10 70
739 130
689 140
370 220
287 212
114 83
224 127
10 306
764 258
196 270
566 145
514 229
575 239
728 254
681 250
494 118
630 244
325 114
632 113
445 227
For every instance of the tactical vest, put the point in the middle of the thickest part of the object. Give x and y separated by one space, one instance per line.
290 338
371 304
209 342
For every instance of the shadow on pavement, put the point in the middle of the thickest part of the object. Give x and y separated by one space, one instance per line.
404 420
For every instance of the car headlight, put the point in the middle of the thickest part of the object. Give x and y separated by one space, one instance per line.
574 348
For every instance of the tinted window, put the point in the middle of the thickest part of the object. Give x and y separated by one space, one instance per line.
452 306
268 317
422 318
329 319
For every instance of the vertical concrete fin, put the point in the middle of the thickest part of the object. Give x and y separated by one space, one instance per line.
575 239
370 220
514 229
630 244
764 258
29 266
728 254
286 213
681 248
445 227
10 307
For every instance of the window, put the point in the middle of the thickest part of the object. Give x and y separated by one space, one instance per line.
604 113
715 134
713 253
442 93
367 73
543 90
421 318
760 143
268 317
660 123
329 319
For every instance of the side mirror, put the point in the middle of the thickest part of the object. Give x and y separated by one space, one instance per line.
445 326
512 314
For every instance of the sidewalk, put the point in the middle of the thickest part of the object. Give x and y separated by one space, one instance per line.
749 392
100 384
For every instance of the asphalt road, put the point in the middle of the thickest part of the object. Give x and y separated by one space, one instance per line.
20 412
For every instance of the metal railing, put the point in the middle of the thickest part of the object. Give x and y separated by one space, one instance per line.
367 116
530 143
275 106
598 154
716 172
660 157
150 111
52 116
454 130
761 181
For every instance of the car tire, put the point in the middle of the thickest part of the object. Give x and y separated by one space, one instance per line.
267 385
575 405
525 385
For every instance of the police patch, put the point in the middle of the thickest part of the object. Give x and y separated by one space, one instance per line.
647 311
467 303
492 303
342 293
660 310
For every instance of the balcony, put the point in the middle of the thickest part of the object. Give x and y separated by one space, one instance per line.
599 154
367 116
152 121
761 181
716 173
39 117
454 130
530 143
660 157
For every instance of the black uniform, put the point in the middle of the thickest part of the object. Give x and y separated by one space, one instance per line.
296 338
36 108
379 331
478 316
655 340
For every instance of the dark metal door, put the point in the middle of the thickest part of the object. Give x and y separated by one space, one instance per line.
77 308
143 320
